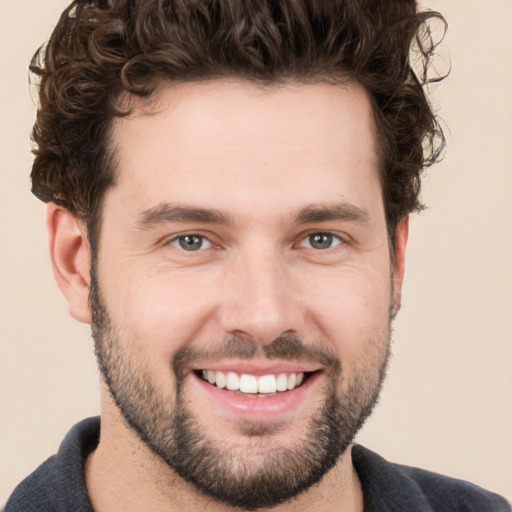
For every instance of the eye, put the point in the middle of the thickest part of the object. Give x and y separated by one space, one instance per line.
321 241
191 242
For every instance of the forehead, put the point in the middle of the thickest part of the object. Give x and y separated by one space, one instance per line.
203 142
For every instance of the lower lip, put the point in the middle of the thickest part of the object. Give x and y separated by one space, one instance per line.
258 407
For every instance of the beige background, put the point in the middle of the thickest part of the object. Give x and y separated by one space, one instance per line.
447 404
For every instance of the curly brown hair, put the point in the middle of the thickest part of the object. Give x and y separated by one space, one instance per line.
101 50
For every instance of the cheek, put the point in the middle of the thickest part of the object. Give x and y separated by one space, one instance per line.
351 308
162 310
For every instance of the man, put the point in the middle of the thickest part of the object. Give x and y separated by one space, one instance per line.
229 186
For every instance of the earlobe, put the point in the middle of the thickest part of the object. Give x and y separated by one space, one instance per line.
401 236
70 255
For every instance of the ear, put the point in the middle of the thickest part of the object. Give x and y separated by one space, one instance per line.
401 236
70 255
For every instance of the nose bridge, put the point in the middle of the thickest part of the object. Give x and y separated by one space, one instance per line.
260 304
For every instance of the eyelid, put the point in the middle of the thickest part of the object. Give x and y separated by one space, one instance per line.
343 238
168 240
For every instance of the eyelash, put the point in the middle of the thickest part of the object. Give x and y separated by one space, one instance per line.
328 234
177 238
334 236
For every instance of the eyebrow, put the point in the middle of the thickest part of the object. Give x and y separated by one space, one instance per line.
324 213
166 213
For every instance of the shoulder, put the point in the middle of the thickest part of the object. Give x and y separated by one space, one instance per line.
395 487
447 494
36 492
58 484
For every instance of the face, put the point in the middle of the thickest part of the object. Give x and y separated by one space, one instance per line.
242 291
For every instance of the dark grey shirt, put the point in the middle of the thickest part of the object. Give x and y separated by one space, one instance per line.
58 485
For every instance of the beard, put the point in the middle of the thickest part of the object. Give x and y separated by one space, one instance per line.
259 474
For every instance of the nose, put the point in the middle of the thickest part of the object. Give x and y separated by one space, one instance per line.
261 301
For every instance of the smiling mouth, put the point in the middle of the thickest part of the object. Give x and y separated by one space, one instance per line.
253 385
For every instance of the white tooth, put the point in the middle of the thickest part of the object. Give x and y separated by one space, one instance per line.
282 382
292 380
248 383
267 384
300 379
211 376
232 381
220 379
205 375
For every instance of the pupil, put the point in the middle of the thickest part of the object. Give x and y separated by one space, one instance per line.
321 241
191 242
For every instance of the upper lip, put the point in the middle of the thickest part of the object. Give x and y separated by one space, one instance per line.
258 368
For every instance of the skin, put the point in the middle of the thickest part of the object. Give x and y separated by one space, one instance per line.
266 154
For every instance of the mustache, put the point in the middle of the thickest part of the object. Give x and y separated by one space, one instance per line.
286 347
